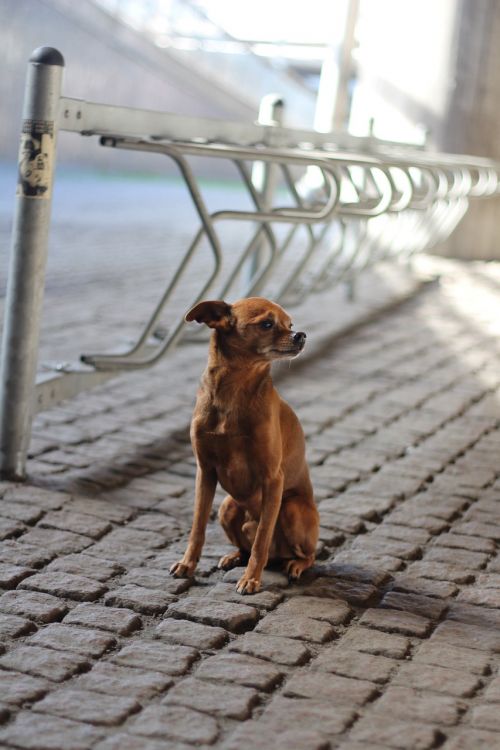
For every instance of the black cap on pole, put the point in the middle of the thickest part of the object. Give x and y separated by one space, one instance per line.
47 56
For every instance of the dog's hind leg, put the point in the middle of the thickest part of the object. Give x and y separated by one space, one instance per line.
299 526
232 518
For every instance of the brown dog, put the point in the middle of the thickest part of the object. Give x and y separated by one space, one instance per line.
248 439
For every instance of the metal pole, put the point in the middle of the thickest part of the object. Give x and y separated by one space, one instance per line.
28 258
264 178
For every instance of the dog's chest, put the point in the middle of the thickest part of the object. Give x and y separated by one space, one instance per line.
225 440
233 460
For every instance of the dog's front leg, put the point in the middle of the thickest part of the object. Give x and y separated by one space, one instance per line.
206 482
272 491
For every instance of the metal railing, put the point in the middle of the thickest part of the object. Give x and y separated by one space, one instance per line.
371 201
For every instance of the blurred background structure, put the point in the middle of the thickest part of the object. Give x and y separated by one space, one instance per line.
407 70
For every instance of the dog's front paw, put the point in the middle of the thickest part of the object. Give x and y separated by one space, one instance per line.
182 569
295 568
247 585
232 560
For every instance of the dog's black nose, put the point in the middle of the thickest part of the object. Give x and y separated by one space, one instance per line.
299 337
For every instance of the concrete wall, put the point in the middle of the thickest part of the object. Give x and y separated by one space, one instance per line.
472 122
435 65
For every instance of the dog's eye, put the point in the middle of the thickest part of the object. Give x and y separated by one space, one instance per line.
266 324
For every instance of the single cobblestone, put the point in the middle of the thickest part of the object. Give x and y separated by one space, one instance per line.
488 580
70 638
477 529
440 679
356 573
236 703
493 691
483 596
386 547
466 635
86 566
394 621
44 662
401 533
157 522
303 628
350 663
395 734
65 585
32 731
441 572
471 739
79 523
182 724
335 689
461 558
473 615
344 523
17 689
156 579
327 610
461 541
276 736
241 669
486 717
10 528
112 679
82 705
293 723
129 742
36 606
191 634
272 648
101 509
18 511
36 496
20 553
233 617
371 559
376 642
356 594
11 575
444 655
418 520
424 587
57 541
156 657
140 599
120 621
12 626
406 703
432 609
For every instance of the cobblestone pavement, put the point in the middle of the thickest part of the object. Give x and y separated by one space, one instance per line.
392 641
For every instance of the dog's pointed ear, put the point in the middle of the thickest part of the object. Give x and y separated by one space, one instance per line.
214 313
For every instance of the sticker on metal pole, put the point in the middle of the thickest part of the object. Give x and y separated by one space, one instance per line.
36 158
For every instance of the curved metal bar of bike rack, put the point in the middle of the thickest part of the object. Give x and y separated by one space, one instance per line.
457 179
128 359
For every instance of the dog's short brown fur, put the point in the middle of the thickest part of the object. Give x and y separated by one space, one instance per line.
250 440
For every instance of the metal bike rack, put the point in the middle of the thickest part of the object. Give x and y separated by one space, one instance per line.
374 200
